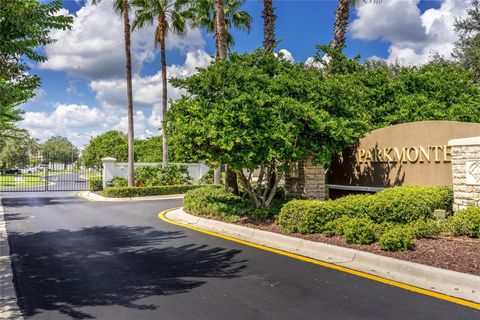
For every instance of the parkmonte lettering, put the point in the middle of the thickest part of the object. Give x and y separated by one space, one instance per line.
420 154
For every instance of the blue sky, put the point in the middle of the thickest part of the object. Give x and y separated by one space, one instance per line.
83 82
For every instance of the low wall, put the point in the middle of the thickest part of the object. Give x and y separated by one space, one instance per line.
111 168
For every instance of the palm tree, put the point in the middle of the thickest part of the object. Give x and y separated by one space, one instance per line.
171 17
269 17
217 17
341 21
122 7
204 15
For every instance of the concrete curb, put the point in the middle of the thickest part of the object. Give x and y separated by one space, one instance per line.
95 197
451 283
9 308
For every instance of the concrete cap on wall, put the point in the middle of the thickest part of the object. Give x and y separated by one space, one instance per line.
109 159
465 141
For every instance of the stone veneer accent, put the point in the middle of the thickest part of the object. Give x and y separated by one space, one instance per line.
308 181
464 150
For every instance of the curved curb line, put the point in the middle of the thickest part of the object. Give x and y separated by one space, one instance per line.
87 195
220 229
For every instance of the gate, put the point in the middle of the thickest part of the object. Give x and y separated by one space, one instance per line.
46 173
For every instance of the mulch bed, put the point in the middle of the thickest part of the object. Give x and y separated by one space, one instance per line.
460 254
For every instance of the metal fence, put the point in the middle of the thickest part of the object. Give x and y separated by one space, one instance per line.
46 173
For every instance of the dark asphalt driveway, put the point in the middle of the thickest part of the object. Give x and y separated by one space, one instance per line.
75 259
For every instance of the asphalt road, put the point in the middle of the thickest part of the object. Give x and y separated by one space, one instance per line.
75 259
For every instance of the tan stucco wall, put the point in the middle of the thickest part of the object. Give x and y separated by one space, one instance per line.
348 170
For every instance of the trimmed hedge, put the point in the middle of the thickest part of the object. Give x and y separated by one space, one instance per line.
130 192
215 202
407 204
397 239
395 205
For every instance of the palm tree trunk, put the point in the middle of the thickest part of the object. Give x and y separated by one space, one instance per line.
220 32
221 53
268 25
341 24
162 27
128 67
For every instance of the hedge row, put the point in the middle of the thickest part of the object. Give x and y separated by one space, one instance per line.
396 205
129 192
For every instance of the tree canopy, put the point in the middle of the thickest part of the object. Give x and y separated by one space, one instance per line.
467 48
24 26
256 108
109 144
59 150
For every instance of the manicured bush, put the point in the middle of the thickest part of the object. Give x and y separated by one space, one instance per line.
129 192
95 185
465 223
359 231
119 182
425 228
395 205
335 227
216 202
397 239
407 204
307 216
162 176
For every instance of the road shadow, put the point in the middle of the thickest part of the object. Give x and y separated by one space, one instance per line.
66 270
38 201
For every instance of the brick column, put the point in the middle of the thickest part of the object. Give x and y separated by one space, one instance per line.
465 172
308 182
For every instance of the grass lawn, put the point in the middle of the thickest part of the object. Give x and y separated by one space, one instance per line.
29 180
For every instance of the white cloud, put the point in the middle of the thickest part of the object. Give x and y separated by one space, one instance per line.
94 47
66 120
414 36
287 55
147 91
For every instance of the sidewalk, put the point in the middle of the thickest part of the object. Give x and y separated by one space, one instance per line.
8 297
435 282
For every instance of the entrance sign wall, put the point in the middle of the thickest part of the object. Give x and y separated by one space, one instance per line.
415 153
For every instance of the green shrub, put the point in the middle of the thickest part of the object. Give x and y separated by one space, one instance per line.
397 239
95 185
407 204
395 205
307 216
465 222
359 231
129 192
216 202
152 176
119 182
335 227
425 228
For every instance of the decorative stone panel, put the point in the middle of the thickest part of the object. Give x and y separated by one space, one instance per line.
465 172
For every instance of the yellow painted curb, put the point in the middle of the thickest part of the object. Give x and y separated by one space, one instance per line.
393 283
80 195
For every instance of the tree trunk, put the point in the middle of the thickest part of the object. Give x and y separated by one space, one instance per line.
162 27
341 24
221 46
128 67
220 30
268 25
231 181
